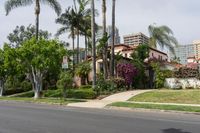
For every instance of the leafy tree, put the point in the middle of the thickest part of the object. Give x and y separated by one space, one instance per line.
22 33
2 72
11 4
83 70
39 58
163 36
65 82
138 57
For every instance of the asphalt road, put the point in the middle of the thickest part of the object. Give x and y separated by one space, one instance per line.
31 118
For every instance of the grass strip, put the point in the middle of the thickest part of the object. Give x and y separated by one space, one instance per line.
42 100
156 106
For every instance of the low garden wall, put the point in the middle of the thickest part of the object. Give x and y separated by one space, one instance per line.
182 83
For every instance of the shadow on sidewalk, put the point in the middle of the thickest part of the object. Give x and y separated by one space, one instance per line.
173 130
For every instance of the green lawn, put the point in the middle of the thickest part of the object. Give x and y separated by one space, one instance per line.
155 106
169 96
41 100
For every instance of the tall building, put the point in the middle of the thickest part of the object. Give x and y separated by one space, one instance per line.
184 51
136 39
109 31
197 48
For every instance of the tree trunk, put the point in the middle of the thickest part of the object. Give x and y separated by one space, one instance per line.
86 46
1 87
37 12
113 39
37 80
105 57
73 37
78 50
93 43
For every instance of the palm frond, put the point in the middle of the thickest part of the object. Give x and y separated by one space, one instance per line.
11 4
54 4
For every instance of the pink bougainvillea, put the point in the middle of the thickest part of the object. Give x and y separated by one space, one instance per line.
126 71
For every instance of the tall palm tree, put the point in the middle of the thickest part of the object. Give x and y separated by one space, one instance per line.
162 36
112 66
81 12
11 4
93 42
68 21
105 54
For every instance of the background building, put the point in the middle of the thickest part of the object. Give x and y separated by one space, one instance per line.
136 39
197 48
184 51
109 31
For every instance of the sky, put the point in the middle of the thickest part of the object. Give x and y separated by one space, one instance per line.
132 16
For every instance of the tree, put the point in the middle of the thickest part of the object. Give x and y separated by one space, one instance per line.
22 33
39 58
2 72
80 13
105 48
113 38
163 36
138 57
82 70
93 43
68 21
11 4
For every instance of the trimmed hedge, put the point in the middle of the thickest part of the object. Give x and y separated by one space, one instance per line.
72 93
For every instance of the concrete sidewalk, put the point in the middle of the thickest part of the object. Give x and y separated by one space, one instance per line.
119 97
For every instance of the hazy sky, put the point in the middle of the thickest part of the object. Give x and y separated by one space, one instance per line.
132 16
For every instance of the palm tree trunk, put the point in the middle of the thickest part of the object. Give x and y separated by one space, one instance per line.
86 46
105 57
93 43
78 49
73 37
37 12
113 39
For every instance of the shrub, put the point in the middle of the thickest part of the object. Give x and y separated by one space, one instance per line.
126 71
25 94
85 87
81 94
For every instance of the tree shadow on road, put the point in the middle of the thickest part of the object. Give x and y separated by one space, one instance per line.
173 130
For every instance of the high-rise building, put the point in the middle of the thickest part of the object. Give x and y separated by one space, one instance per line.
197 48
109 31
184 51
136 39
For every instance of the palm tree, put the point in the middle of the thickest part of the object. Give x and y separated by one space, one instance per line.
113 38
81 13
68 21
163 36
105 54
93 42
11 4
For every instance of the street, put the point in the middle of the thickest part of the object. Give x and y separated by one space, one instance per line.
32 118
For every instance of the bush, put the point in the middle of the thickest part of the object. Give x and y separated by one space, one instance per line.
26 94
72 93
81 94
53 93
85 87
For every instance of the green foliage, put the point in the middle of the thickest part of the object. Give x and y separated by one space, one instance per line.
82 70
72 93
65 82
82 94
138 56
160 75
22 33
85 87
